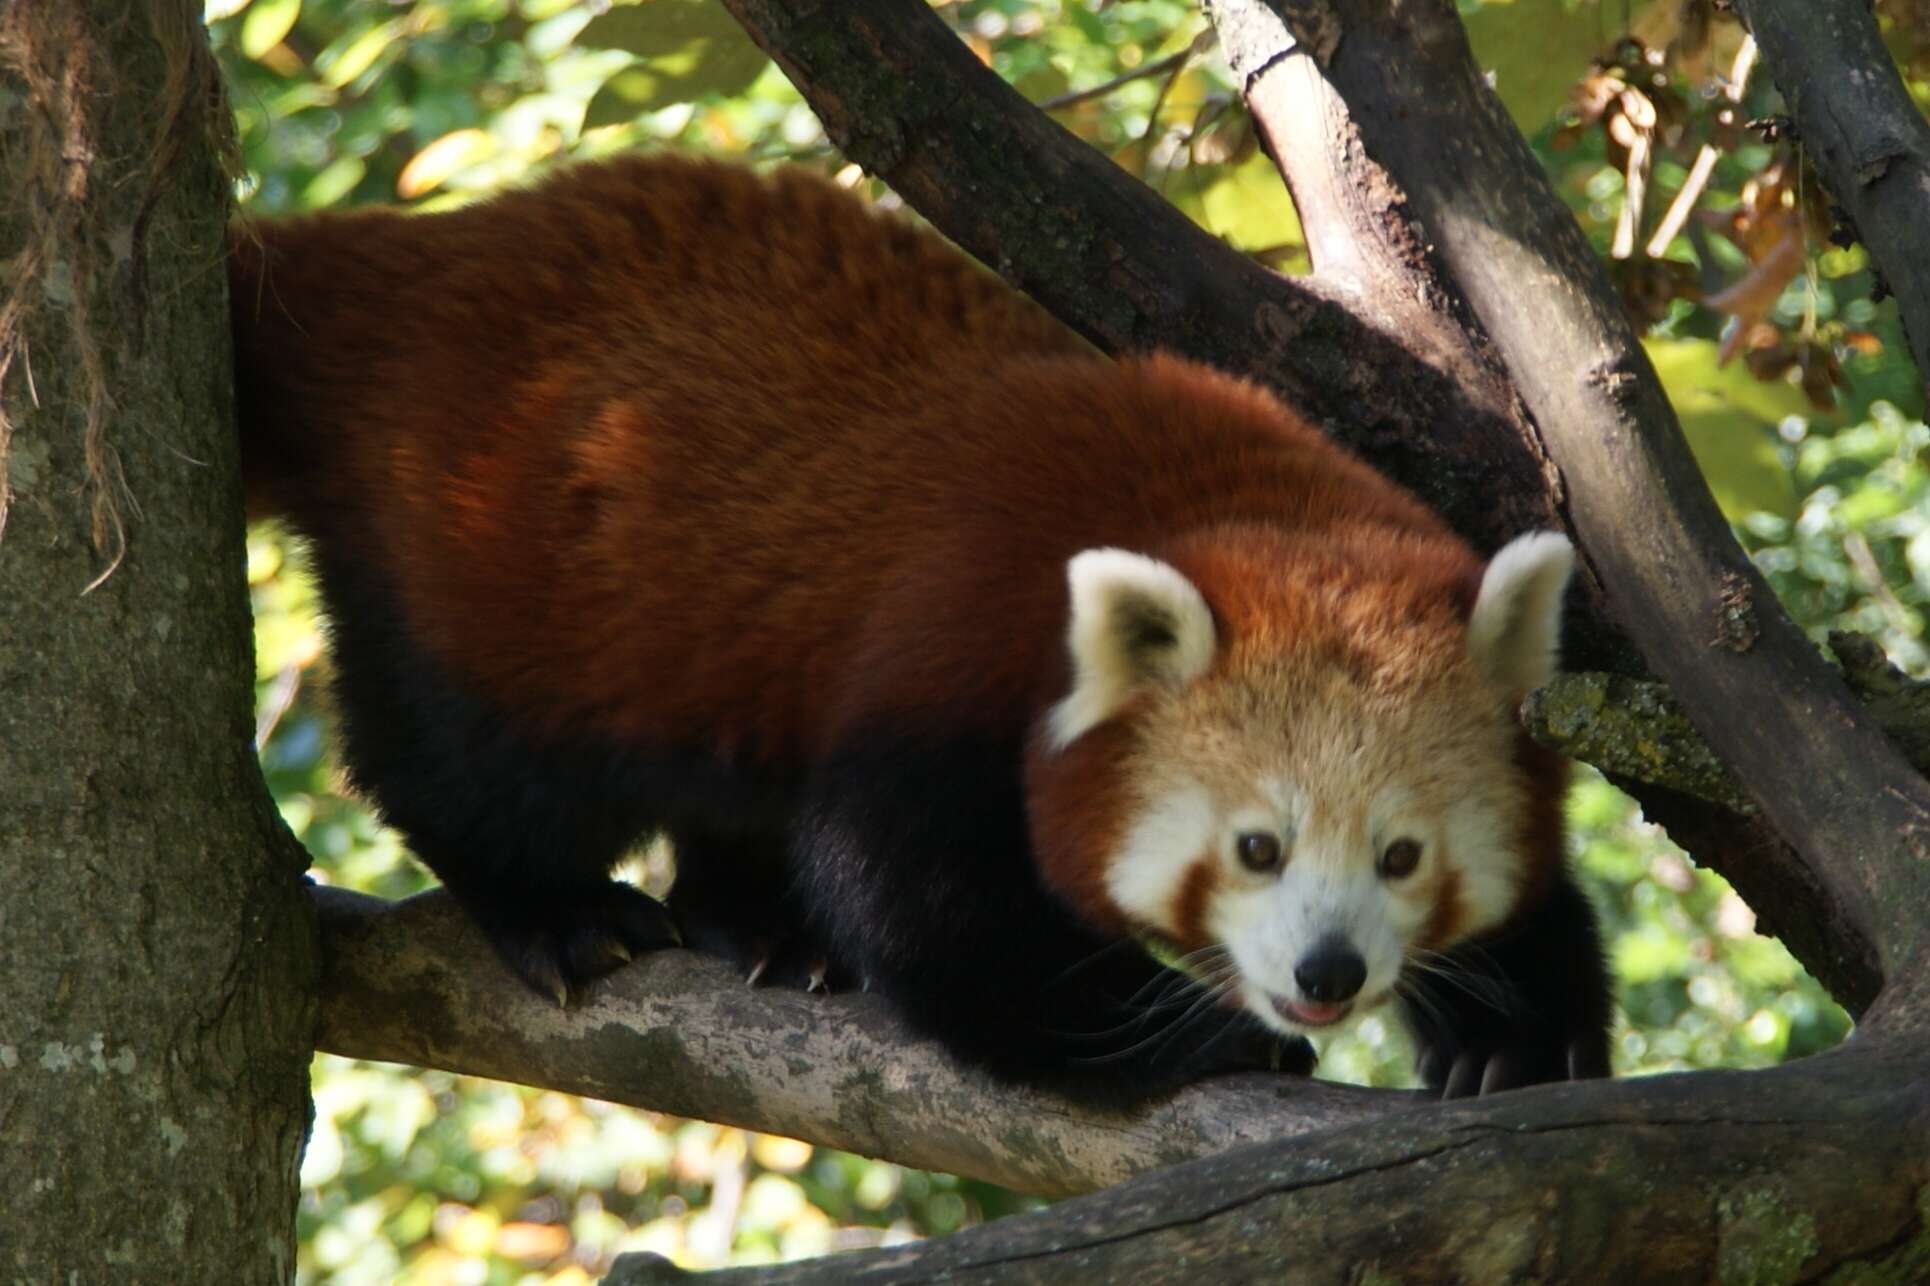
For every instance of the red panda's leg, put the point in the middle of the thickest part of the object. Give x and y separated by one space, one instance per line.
1529 1005
523 831
732 899
915 866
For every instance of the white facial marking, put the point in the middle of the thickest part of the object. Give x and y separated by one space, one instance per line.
1134 621
1328 892
1144 876
1483 839
1329 888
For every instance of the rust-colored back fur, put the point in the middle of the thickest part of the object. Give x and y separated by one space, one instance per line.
663 447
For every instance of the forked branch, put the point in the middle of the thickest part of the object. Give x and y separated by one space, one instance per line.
1678 583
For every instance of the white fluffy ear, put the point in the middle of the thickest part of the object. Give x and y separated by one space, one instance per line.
1515 632
1134 621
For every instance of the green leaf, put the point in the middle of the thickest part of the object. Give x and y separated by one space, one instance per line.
657 27
267 22
1535 50
1247 204
349 57
686 50
1729 418
622 98
705 70
1648 954
335 181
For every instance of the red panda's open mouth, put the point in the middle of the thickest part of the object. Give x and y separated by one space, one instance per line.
1308 1014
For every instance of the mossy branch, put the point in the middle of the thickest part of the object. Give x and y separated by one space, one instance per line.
1634 731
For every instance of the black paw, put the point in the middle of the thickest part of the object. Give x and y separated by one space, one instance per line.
778 962
1238 1043
559 944
1486 1068
766 957
1249 1047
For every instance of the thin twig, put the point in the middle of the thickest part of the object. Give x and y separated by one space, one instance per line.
1638 120
1705 160
1199 44
1665 231
1158 67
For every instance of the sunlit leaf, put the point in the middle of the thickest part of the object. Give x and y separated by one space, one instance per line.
429 168
300 97
688 49
336 180
623 98
1247 205
342 62
267 22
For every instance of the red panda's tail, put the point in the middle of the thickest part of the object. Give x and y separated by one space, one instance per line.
312 303
256 367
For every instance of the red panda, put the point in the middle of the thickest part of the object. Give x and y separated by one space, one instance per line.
954 659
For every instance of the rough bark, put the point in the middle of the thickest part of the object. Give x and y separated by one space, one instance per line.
158 970
1728 1176
1860 128
415 982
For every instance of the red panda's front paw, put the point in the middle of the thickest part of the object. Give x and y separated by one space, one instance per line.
765 957
1490 1069
785 965
1250 1048
560 944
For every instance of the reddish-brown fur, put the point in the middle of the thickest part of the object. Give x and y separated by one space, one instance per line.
1190 904
859 529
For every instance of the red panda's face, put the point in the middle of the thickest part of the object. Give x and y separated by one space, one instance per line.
1312 815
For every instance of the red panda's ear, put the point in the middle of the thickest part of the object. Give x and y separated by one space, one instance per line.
1134 621
1514 634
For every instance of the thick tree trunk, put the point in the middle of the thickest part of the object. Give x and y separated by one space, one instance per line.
159 972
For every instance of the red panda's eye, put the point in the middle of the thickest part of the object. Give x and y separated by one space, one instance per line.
1400 859
1259 851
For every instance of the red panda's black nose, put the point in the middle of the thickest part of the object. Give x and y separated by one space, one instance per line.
1331 972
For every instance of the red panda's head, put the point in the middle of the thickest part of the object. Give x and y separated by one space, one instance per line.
1300 758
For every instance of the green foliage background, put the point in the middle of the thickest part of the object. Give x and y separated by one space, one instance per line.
429 1177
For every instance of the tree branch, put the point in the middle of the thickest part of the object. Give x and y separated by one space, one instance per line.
1678 582
1858 123
415 982
1668 1178
1633 729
